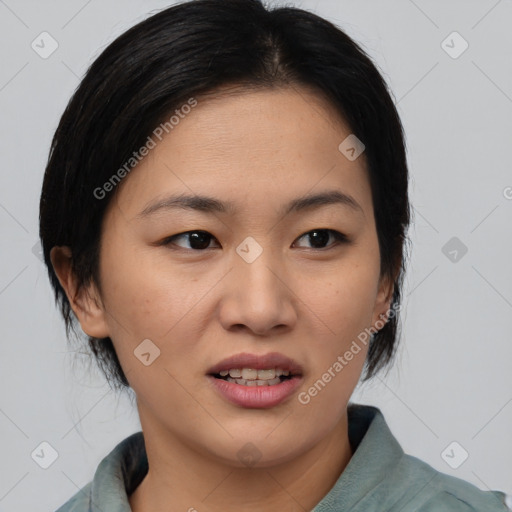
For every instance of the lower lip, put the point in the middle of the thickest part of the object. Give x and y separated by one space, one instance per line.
256 397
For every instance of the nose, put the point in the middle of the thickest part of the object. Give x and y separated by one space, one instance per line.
258 297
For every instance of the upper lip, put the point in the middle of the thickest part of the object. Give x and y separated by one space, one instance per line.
257 362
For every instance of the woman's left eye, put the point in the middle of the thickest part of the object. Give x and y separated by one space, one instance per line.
200 240
320 237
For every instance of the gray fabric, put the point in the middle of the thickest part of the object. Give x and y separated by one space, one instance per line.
378 478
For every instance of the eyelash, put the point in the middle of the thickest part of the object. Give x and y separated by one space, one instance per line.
339 238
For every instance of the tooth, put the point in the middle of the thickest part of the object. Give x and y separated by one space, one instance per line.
279 372
266 374
223 373
236 373
258 382
286 373
249 374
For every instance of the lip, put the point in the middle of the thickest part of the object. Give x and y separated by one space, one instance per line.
256 397
257 362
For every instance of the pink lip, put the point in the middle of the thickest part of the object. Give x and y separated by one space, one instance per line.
256 397
257 362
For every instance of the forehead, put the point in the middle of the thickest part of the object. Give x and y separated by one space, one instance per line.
251 147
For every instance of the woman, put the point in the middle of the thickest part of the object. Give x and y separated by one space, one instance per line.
204 157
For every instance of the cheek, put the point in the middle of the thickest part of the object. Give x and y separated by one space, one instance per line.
343 310
142 293
343 299
164 305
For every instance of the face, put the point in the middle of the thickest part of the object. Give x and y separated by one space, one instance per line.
242 275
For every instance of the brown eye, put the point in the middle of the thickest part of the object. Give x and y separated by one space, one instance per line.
197 240
319 238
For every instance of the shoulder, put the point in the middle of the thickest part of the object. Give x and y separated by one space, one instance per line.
380 476
434 491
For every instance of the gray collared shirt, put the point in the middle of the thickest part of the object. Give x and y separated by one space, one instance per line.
380 477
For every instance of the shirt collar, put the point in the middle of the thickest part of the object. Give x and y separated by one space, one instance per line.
369 435
119 474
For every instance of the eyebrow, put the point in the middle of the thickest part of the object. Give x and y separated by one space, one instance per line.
212 205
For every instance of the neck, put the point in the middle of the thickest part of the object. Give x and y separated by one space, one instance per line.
180 478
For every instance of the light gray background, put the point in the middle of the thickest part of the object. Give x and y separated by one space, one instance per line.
452 380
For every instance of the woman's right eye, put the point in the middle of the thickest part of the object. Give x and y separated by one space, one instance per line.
197 240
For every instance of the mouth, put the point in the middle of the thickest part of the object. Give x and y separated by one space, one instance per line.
254 381
254 377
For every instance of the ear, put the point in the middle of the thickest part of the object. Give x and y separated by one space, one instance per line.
86 303
383 300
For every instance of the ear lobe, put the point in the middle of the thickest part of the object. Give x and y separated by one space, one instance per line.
86 303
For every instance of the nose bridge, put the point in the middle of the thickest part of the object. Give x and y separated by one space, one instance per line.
257 296
256 266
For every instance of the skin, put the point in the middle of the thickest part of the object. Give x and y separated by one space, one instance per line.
259 149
